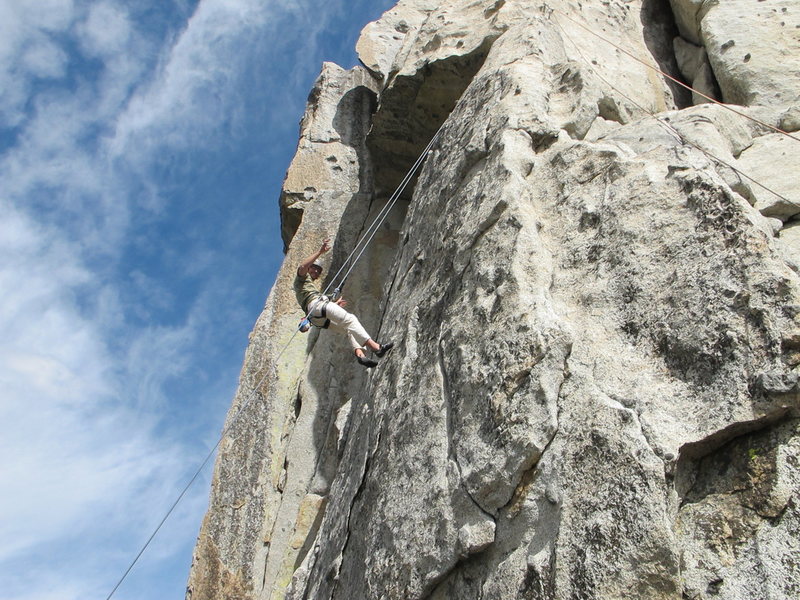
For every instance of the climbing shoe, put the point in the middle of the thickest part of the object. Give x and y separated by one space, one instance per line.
384 349
367 362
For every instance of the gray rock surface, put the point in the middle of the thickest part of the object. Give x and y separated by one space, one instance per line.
774 159
694 65
597 316
688 16
382 40
271 474
753 47
329 158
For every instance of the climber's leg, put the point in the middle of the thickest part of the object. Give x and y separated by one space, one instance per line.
343 321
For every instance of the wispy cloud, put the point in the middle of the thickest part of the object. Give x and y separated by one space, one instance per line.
26 45
81 387
106 30
83 463
197 92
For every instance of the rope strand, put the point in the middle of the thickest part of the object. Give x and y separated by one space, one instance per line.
369 234
390 204
225 431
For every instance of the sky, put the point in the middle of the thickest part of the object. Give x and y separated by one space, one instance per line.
142 148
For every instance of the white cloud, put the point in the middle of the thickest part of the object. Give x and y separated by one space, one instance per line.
60 157
49 15
196 93
45 59
157 355
25 49
77 419
106 31
188 99
54 369
76 422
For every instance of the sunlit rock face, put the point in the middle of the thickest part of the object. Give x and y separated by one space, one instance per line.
752 47
593 289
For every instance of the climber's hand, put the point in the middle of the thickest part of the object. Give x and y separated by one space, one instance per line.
341 302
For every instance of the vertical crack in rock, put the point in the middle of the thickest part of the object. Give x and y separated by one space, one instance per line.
318 577
355 500
747 49
522 562
659 29
451 432
528 476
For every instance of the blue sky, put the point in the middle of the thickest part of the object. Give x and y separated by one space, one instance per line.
142 149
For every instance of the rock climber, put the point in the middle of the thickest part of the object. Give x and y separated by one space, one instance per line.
325 312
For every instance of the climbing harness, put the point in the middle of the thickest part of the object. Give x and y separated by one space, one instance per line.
323 315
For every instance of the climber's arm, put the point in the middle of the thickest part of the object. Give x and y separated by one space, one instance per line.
302 270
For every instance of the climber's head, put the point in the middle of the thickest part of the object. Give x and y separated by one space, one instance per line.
315 270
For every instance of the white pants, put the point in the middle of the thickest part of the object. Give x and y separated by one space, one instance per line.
342 322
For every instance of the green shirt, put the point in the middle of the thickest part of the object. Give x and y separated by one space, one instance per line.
306 290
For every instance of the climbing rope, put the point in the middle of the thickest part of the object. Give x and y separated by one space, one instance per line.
360 246
667 75
667 126
364 241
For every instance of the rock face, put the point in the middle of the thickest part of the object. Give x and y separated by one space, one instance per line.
753 46
593 288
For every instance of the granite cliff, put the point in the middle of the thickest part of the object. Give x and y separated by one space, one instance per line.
593 288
